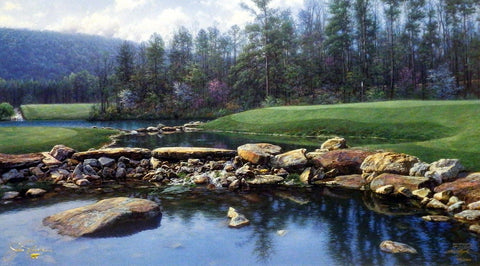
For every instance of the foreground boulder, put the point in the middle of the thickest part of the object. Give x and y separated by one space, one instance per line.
114 153
101 216
389 162
444 170
346 162
258 153
185 153
466 188
292 160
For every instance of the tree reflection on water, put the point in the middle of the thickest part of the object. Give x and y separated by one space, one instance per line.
346 226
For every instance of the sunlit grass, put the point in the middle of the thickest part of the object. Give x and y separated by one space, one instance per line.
80 111
428 129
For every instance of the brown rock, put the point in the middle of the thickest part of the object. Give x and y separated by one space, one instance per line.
49 160
114 153
396 247
389 162
410 182
346 162
385 190
184 153
62 152
102 215
466 188
258 153
8 161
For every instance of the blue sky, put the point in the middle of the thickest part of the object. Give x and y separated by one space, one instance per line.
134 20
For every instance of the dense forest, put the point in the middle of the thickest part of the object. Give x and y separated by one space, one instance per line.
331 51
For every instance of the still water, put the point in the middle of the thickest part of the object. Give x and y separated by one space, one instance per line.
318 227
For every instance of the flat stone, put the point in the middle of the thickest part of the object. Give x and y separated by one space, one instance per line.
436 218
468 215
350 182
114 153
106 161
396 247
389 162
474 205
422 193
265 180
456 207
410 182
49 160
237 220
258 153
9 161
102 216
346 162
185 153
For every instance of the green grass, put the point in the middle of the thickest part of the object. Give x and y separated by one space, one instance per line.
428 129
78 111
18 140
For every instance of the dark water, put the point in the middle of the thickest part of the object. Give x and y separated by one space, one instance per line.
320 227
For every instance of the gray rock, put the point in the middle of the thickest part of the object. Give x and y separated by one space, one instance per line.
106 162
12 176
265 180
292 160
396 247
88 170
121 173
103 215
456 207
92 163
419 169
258 153
245 172
62 152
78 172
37 171
444 170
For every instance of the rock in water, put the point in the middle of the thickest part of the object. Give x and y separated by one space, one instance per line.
258 153
101 216
396 247
237 220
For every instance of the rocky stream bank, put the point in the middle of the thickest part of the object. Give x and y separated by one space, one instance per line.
442 187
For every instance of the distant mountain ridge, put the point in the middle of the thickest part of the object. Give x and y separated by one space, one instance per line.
46 55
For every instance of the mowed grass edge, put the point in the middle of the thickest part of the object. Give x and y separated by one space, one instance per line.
18 140
430 130
77 111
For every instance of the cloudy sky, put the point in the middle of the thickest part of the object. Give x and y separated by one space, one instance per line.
134 20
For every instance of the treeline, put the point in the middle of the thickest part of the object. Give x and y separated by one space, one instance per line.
332 51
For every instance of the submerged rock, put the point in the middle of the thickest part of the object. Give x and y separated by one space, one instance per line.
101 216
237 220
258 153
396 247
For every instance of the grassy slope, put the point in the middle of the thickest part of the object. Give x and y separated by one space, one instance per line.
79 111
428 129
17 140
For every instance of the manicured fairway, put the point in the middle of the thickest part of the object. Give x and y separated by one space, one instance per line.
79 111
428 129
17 140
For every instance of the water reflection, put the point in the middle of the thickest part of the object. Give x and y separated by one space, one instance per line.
323 227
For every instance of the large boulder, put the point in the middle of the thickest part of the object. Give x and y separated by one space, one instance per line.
334 144
114 153
349 182
61 152
389 162
346 162
104 215
466 188
258 153
292 160
9 161
185 153
410 182
444 170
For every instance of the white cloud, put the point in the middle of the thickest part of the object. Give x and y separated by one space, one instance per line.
127 5
10 6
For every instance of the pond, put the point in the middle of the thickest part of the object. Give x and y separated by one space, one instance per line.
318 227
